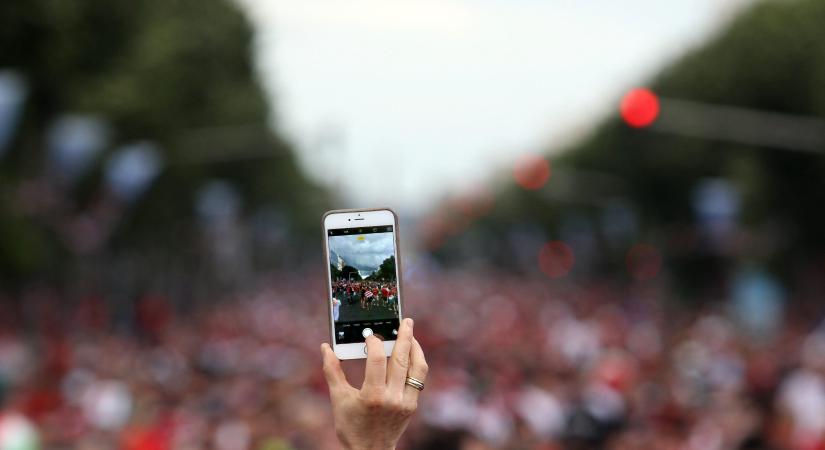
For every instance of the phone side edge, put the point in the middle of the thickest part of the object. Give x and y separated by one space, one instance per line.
327 292
398 266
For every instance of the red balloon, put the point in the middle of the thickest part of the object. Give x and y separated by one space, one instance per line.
639 108
531 172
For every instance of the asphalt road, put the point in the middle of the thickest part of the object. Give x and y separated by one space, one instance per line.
350 313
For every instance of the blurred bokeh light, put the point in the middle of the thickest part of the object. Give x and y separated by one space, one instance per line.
531 172
639 107
556 259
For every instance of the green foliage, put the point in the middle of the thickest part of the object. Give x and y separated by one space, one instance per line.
771 58
350 273
386 271
179 73
346 273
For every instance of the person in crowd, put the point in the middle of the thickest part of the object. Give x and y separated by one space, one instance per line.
336 308
607 367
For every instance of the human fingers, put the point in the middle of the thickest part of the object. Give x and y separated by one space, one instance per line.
375 374
418 370
400 359
336 379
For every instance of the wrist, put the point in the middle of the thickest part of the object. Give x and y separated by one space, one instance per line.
373 447
368 447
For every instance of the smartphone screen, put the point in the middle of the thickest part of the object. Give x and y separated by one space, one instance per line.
364 282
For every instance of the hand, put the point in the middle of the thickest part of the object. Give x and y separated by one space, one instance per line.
375 417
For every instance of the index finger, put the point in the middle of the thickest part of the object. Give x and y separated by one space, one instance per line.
375 374
336 379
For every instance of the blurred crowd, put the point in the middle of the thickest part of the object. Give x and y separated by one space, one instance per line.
516 363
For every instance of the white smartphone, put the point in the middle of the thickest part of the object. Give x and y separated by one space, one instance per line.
363 279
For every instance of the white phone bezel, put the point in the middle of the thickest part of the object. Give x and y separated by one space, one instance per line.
353 219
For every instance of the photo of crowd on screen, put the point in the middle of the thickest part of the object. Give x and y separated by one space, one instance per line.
363 276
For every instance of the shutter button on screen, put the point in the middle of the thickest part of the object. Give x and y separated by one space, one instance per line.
366 332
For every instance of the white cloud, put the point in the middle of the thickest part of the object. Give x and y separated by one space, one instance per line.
364 254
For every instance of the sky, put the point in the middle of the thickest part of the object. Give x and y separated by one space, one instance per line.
401 102
365 252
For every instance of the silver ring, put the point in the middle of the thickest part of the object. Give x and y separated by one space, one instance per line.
415 383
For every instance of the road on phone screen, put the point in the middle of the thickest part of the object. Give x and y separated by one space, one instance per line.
354 312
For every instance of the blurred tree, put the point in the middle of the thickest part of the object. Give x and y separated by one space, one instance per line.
345 273
179 74
334 272
386 271
771 58
348 272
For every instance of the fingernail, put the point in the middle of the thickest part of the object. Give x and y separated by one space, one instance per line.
409 322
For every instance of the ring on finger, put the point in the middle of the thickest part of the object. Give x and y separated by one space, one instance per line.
414 382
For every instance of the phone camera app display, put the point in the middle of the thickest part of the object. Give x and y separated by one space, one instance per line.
364 283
